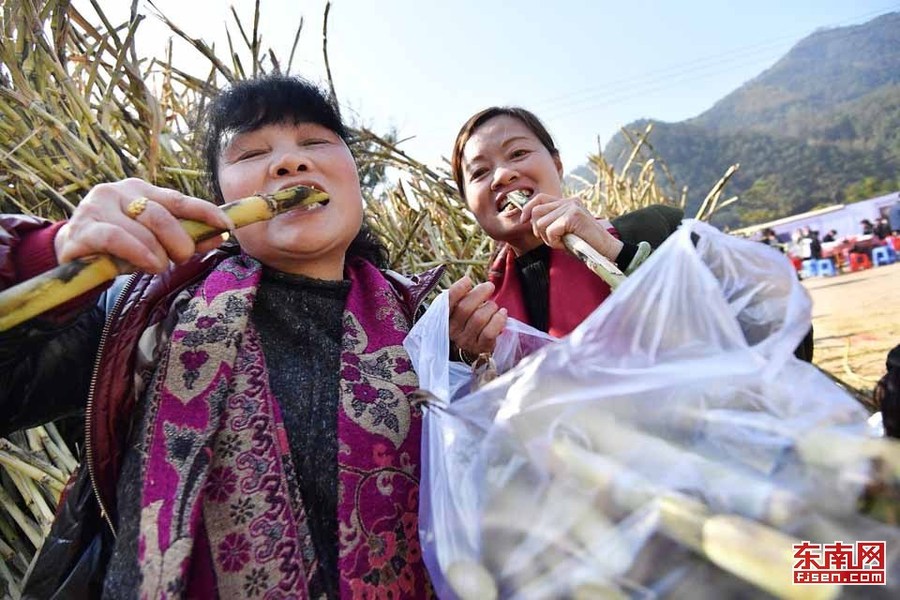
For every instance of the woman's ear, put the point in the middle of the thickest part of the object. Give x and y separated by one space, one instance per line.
559 166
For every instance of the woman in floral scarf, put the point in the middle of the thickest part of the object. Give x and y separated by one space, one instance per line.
249 428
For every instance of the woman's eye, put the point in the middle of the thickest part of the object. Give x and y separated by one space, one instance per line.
519 153
477 174
249 154
313 142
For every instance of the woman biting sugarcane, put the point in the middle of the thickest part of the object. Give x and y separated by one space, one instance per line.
502 152
248 420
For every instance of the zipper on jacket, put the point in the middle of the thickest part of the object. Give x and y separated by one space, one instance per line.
88 413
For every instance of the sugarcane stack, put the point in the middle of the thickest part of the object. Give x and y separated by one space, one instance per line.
35 465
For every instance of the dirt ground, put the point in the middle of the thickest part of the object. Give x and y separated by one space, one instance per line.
856 318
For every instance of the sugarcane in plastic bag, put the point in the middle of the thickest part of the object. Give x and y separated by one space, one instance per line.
690 362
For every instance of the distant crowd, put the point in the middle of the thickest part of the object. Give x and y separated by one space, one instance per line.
806 243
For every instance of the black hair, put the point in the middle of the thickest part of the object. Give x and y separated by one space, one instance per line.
253 103
528 118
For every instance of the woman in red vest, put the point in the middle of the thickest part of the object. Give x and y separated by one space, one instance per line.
533 278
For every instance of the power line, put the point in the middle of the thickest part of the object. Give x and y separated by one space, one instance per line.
622 93
595 94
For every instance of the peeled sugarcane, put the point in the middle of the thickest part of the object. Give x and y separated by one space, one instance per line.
757 554
871 464
739 491
596 262
471 581
835 449
44 292
532 545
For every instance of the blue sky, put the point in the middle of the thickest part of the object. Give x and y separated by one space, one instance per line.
585 67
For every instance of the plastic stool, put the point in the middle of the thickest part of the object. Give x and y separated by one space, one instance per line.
895 242
883 255
809 268
825 267
859 261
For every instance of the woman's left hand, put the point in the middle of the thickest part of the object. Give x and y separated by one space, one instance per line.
552 218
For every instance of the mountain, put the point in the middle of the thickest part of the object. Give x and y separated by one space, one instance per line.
821 126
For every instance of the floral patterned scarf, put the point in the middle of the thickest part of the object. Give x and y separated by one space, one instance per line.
220 510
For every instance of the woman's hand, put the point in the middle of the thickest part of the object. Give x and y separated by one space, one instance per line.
148 241
475 320
552 218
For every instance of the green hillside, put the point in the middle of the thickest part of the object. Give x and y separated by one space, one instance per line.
821 126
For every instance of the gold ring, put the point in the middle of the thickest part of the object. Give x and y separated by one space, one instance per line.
136 207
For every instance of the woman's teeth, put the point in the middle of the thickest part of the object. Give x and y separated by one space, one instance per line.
514 199
315 205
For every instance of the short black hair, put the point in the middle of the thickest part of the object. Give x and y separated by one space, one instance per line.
253 103
250 104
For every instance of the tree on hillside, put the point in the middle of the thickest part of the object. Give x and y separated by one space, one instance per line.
870 187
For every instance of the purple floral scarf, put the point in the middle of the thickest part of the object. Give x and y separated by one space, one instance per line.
221 514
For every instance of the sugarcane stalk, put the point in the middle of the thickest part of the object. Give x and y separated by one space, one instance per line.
67 281
30 496
6 575
27 525
41 510
601 266
835 449
60 444
10 534
15 463
34 442
6 551
471 581
741 492
24 555
35 461
749 550
8 555
54 434
62 459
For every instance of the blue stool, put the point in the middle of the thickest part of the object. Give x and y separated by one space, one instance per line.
883 255
825 267
809 268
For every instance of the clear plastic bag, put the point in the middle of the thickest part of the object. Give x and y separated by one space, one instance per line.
428 345
670 446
